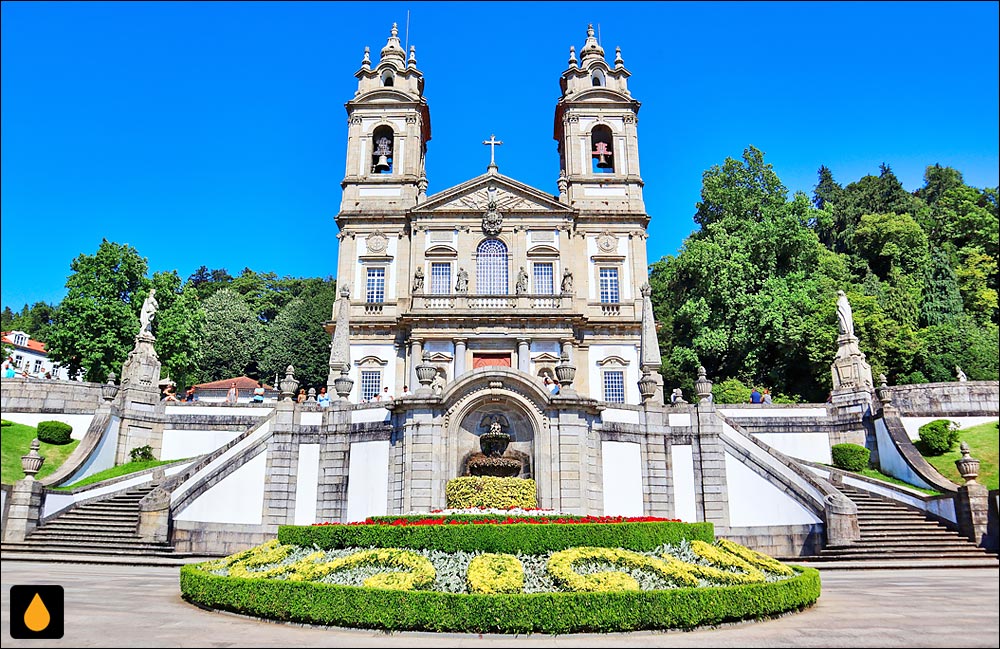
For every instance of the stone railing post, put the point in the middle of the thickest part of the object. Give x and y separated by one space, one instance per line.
972 499
154 516
25 499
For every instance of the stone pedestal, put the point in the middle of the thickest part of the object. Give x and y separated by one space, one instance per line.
851 371
25 510
711 484
154 516
972 508
142 412
841 521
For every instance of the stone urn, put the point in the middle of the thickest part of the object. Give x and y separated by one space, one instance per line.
343 384
288 384
967 466
490 462
426 373
565 372
647 386
109 390
32 462
703 387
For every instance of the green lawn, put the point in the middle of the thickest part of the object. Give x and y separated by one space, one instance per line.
15 441
984 445
115 471
878 475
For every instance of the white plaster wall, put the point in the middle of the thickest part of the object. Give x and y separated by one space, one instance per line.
595 371
755 501
179 444
814 447
682 470
368 415
80 423
943 507
262 432
311 418
771 411
238 498
624 416
368 484
231 411
680 419
622 478
891 461
307 484
913 424
103 456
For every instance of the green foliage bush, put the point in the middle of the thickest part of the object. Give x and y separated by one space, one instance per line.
850 457
526 538
6 422
395 610
501 493
141 454
938 436
54 432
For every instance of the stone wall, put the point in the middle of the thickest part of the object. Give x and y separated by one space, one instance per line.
51 396
968 398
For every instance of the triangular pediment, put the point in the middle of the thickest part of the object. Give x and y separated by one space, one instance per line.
509 195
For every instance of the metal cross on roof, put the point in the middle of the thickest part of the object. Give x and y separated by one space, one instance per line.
492 142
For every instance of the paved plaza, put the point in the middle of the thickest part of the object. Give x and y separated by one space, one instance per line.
119 606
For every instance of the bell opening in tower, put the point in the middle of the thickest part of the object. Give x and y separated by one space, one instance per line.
382 140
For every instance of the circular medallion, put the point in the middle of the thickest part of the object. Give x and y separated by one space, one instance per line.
376 242
607 242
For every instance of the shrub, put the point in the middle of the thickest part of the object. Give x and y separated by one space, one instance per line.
574 612
54 432
520 537
141 454
501 493
938 436
850 457
495 573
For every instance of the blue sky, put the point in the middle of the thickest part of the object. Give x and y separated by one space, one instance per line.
214 133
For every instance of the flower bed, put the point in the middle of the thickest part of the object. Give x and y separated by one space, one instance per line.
570 590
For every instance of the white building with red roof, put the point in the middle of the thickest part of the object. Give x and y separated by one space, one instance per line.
30 355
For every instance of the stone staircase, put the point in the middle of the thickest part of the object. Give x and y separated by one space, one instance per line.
103 531
892 533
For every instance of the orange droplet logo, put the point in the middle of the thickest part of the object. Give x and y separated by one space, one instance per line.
37 616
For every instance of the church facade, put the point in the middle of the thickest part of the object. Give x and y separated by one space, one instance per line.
493 272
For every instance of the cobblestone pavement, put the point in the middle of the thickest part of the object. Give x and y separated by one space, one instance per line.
119 606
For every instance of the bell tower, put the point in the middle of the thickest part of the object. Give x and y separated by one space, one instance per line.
595 126
389 126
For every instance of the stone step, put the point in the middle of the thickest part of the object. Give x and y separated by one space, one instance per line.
90 549
951 556
77 524
81 534
116 516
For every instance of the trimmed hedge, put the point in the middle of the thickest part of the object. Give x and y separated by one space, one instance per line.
486 491
850 457
526 538
473 518
351 606
54 432
938 436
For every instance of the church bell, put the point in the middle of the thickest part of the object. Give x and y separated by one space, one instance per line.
382 164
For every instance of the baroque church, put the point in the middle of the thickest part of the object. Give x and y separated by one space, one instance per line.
492 272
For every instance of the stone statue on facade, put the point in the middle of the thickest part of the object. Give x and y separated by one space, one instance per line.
522 282
147 313
418 280
962 378
845 317
462 282
567 281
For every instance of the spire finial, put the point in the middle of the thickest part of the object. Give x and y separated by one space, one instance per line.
413 57
619 62
366 61
395 30
591 49
393 49
572 56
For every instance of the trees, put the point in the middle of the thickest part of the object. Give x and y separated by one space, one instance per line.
96 323
296 336
231 339
178 327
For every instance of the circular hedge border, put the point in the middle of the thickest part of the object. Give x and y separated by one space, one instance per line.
561 612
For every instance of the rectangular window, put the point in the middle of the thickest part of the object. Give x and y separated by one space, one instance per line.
614 386
371 384
609 286
543 278
440 278
375 289
38 366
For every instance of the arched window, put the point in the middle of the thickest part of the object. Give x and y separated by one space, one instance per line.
491 268
382 147
387 79
597 78
602 153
